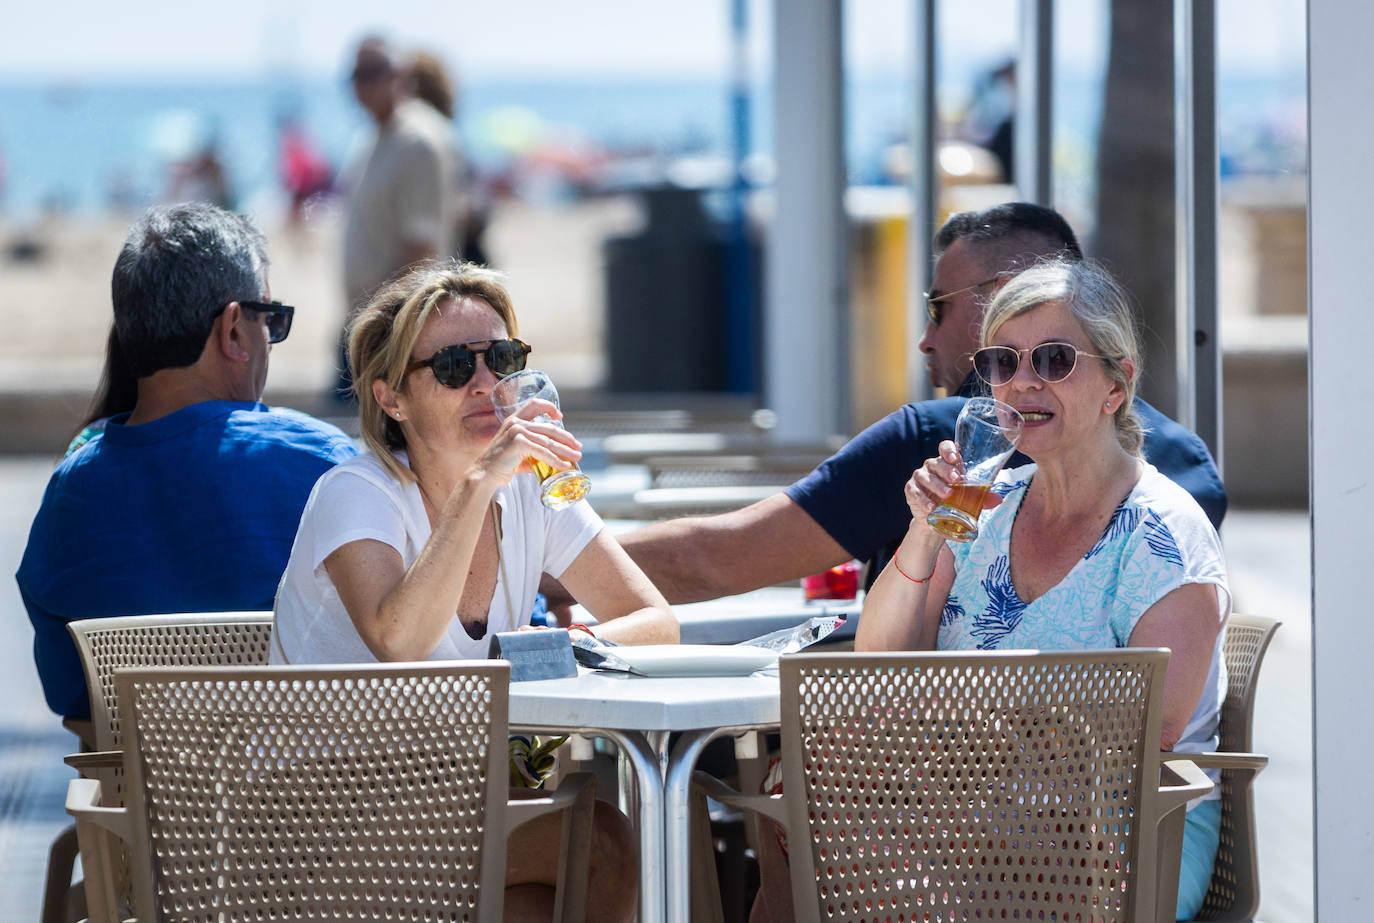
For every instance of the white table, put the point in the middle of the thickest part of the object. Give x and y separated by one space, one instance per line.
732 619
638 713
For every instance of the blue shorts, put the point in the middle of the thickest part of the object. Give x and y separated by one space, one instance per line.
1201 834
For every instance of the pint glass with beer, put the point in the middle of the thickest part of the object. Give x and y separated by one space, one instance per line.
557 489
986 433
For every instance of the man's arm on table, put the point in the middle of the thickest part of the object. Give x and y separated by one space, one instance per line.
705 557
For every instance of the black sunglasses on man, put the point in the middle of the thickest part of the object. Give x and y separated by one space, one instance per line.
279 317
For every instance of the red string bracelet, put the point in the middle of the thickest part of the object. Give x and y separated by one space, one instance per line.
924 579
580 627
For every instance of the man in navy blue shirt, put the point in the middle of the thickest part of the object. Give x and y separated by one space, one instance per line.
853 506
190 502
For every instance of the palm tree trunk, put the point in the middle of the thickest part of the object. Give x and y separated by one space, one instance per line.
1135 180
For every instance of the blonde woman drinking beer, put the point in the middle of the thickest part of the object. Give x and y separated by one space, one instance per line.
421 547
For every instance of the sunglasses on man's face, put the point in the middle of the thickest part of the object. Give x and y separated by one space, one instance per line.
935 303
455 365
1052 362
278 317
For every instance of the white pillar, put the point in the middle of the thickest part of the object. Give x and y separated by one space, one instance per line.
806 343
1341 322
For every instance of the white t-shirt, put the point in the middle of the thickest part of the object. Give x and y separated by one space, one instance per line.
358 500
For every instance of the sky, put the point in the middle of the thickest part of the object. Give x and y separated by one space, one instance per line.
173 40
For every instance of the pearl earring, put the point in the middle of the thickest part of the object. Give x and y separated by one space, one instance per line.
1108 405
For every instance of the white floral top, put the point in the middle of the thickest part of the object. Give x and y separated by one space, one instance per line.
1158 540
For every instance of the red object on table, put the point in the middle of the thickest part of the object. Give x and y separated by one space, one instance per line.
840 582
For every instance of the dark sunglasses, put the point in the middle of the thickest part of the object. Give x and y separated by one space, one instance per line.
1052 362
278 317
455 365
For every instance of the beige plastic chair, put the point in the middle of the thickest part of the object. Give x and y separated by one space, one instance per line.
205 639
319 792
1233 895
111 644
987 785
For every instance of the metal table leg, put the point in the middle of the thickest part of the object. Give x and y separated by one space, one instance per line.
644 761
677 818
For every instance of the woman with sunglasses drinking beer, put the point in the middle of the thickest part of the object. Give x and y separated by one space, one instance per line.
1089 546
420 548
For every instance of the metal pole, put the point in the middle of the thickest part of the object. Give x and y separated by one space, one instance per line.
921 227
1198 353
1034 126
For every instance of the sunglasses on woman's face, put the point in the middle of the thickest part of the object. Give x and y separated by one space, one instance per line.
1052 362
455 365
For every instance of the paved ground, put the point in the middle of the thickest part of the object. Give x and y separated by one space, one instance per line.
1268 556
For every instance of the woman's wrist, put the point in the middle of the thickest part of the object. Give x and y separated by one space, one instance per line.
916 557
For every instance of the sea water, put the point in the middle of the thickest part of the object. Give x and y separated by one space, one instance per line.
85 147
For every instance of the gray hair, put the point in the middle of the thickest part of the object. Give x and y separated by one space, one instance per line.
1103 309
179 266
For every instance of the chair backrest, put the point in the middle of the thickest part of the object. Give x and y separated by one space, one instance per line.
183 640
1233 893
1247 639
321 792
973 783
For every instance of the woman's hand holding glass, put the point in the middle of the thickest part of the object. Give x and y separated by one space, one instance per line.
932 484
525 439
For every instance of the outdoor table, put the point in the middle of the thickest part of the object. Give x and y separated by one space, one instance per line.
638 713
732 619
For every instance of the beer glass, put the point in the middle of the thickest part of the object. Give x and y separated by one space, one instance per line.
986 433
557 488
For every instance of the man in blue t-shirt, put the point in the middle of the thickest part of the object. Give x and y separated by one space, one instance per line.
853 505
190 501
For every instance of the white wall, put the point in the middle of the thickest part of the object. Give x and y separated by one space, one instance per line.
1341 314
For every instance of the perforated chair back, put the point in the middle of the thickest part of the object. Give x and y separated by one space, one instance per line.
978 785
1233 894
1247 640
360 792
107 646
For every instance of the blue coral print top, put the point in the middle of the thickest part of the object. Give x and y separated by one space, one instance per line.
1158 540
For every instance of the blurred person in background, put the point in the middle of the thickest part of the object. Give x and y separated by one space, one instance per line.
305 172
402 198
431 84
189 498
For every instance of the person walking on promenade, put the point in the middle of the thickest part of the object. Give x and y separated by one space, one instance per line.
190 501
852 505
403 196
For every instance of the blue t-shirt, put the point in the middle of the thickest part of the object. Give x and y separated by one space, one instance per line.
857 494
193 512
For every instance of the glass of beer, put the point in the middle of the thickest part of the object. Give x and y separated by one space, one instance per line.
557 488
986 433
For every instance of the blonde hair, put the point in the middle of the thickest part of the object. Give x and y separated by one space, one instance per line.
382 335
1103 309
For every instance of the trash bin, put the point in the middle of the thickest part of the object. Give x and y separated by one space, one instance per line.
666 308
